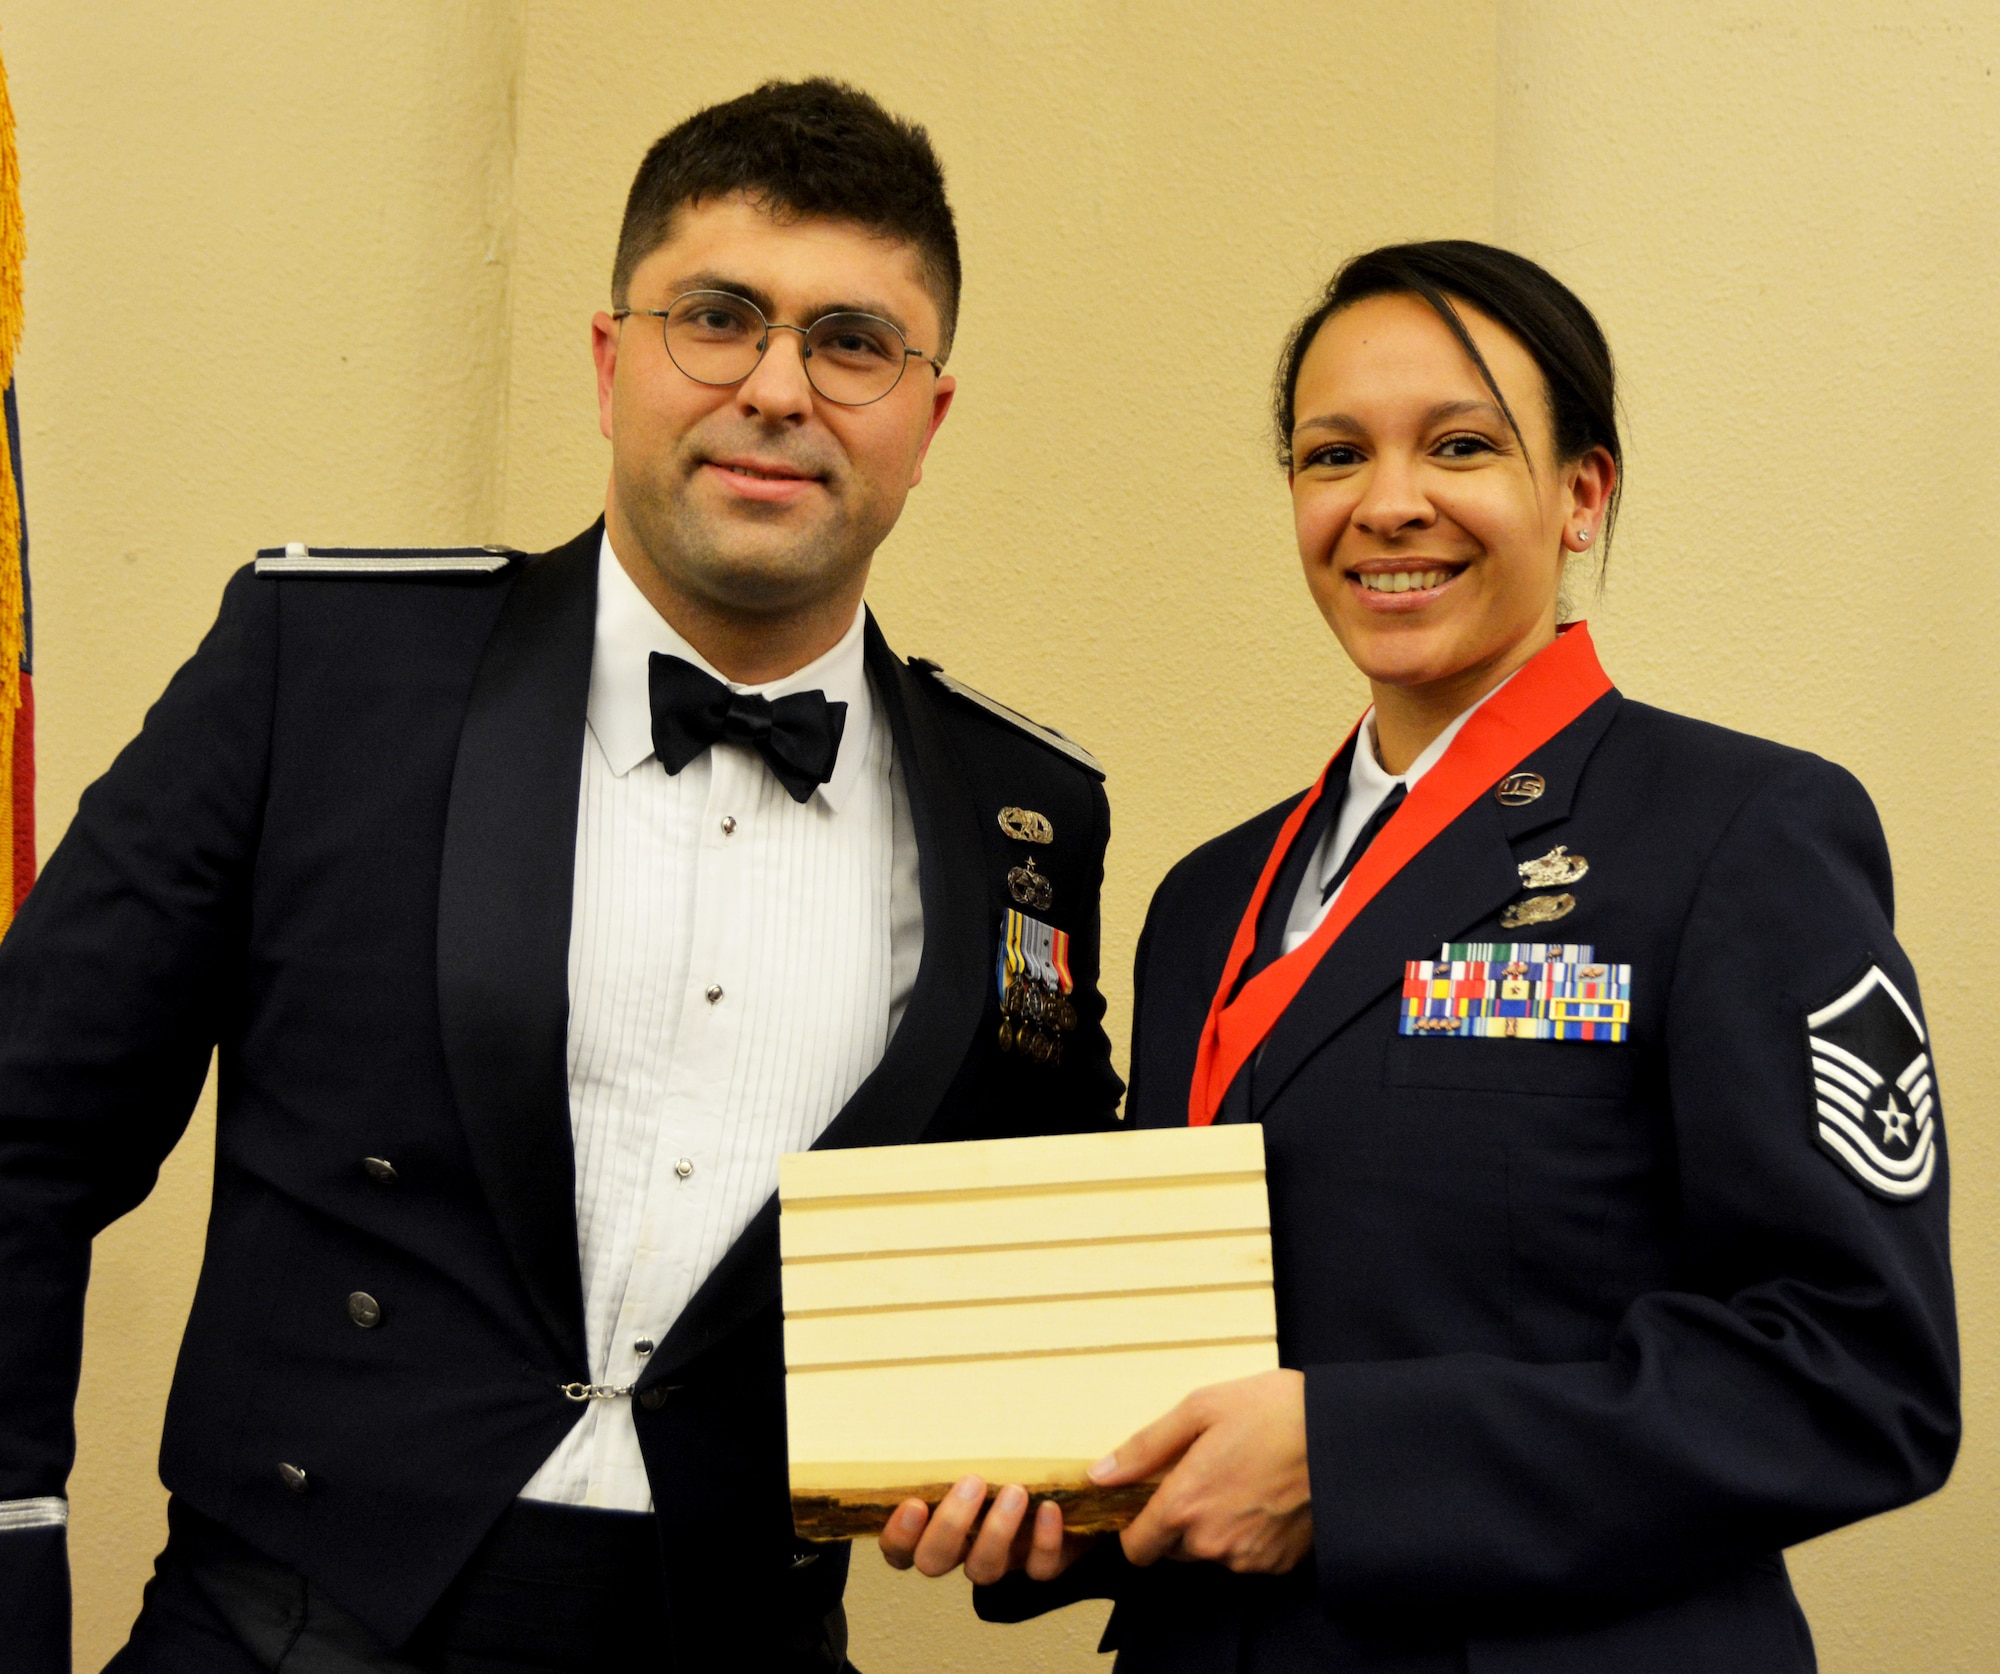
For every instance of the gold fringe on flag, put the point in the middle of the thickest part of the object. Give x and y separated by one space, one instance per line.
13 247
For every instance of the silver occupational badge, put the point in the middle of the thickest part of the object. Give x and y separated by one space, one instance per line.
1537 909
1873 1098
1553 870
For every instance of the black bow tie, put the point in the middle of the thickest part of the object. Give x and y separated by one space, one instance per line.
798 736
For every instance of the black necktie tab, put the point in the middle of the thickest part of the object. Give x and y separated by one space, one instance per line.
1366 835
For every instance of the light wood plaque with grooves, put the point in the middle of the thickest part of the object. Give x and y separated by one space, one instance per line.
1011 1307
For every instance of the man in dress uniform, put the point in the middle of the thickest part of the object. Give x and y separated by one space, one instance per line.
536 906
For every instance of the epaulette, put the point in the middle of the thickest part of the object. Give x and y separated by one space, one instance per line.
1013 717
296 558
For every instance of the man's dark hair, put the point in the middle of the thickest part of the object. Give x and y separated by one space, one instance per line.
1547 317
799 148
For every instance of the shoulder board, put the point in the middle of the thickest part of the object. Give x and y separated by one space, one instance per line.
1013 717
296 558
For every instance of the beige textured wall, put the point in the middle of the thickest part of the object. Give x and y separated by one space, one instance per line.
268 272
325 273
1788 218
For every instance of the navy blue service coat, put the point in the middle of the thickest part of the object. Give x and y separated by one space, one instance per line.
341 852
1590 1331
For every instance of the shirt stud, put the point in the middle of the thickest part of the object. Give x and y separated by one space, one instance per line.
713 992
728 825
684 1167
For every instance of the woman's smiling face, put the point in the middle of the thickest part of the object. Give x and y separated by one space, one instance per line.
1432 547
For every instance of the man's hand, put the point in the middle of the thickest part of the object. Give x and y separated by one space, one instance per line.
1005 1540
1239 1494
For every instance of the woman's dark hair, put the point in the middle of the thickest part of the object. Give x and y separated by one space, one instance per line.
1541 311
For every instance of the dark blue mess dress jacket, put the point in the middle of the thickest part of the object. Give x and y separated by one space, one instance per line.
1591 1330
340 856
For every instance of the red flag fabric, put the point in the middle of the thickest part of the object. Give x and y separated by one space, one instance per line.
17 696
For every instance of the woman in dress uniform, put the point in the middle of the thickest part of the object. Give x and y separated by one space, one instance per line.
1605 1154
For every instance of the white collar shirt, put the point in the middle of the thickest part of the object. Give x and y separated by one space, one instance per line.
1368 783
737 964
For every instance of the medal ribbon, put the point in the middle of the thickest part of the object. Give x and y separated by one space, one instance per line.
1062 981
1551 690
1011 963
1030 948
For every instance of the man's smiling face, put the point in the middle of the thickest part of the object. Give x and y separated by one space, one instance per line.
763 499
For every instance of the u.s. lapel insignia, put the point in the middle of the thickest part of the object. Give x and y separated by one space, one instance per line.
1537 909
1517 790
1024 825
1552 870
1872 1091
1030 887
1516 991
1035 988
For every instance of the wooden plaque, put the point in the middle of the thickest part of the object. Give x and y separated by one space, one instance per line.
1011 1307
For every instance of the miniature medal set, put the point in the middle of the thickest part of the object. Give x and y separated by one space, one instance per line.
1032 966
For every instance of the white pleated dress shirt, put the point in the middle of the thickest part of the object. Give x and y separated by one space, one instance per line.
737 964
1368 782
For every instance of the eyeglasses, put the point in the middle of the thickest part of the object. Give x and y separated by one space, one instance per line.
717 337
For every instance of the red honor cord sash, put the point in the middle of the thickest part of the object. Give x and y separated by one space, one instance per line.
1551 690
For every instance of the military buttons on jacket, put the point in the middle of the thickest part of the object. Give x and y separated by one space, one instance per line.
364 1310
655 1398
293 1478
379 1169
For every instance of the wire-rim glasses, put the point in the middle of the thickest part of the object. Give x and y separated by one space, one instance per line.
718 338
